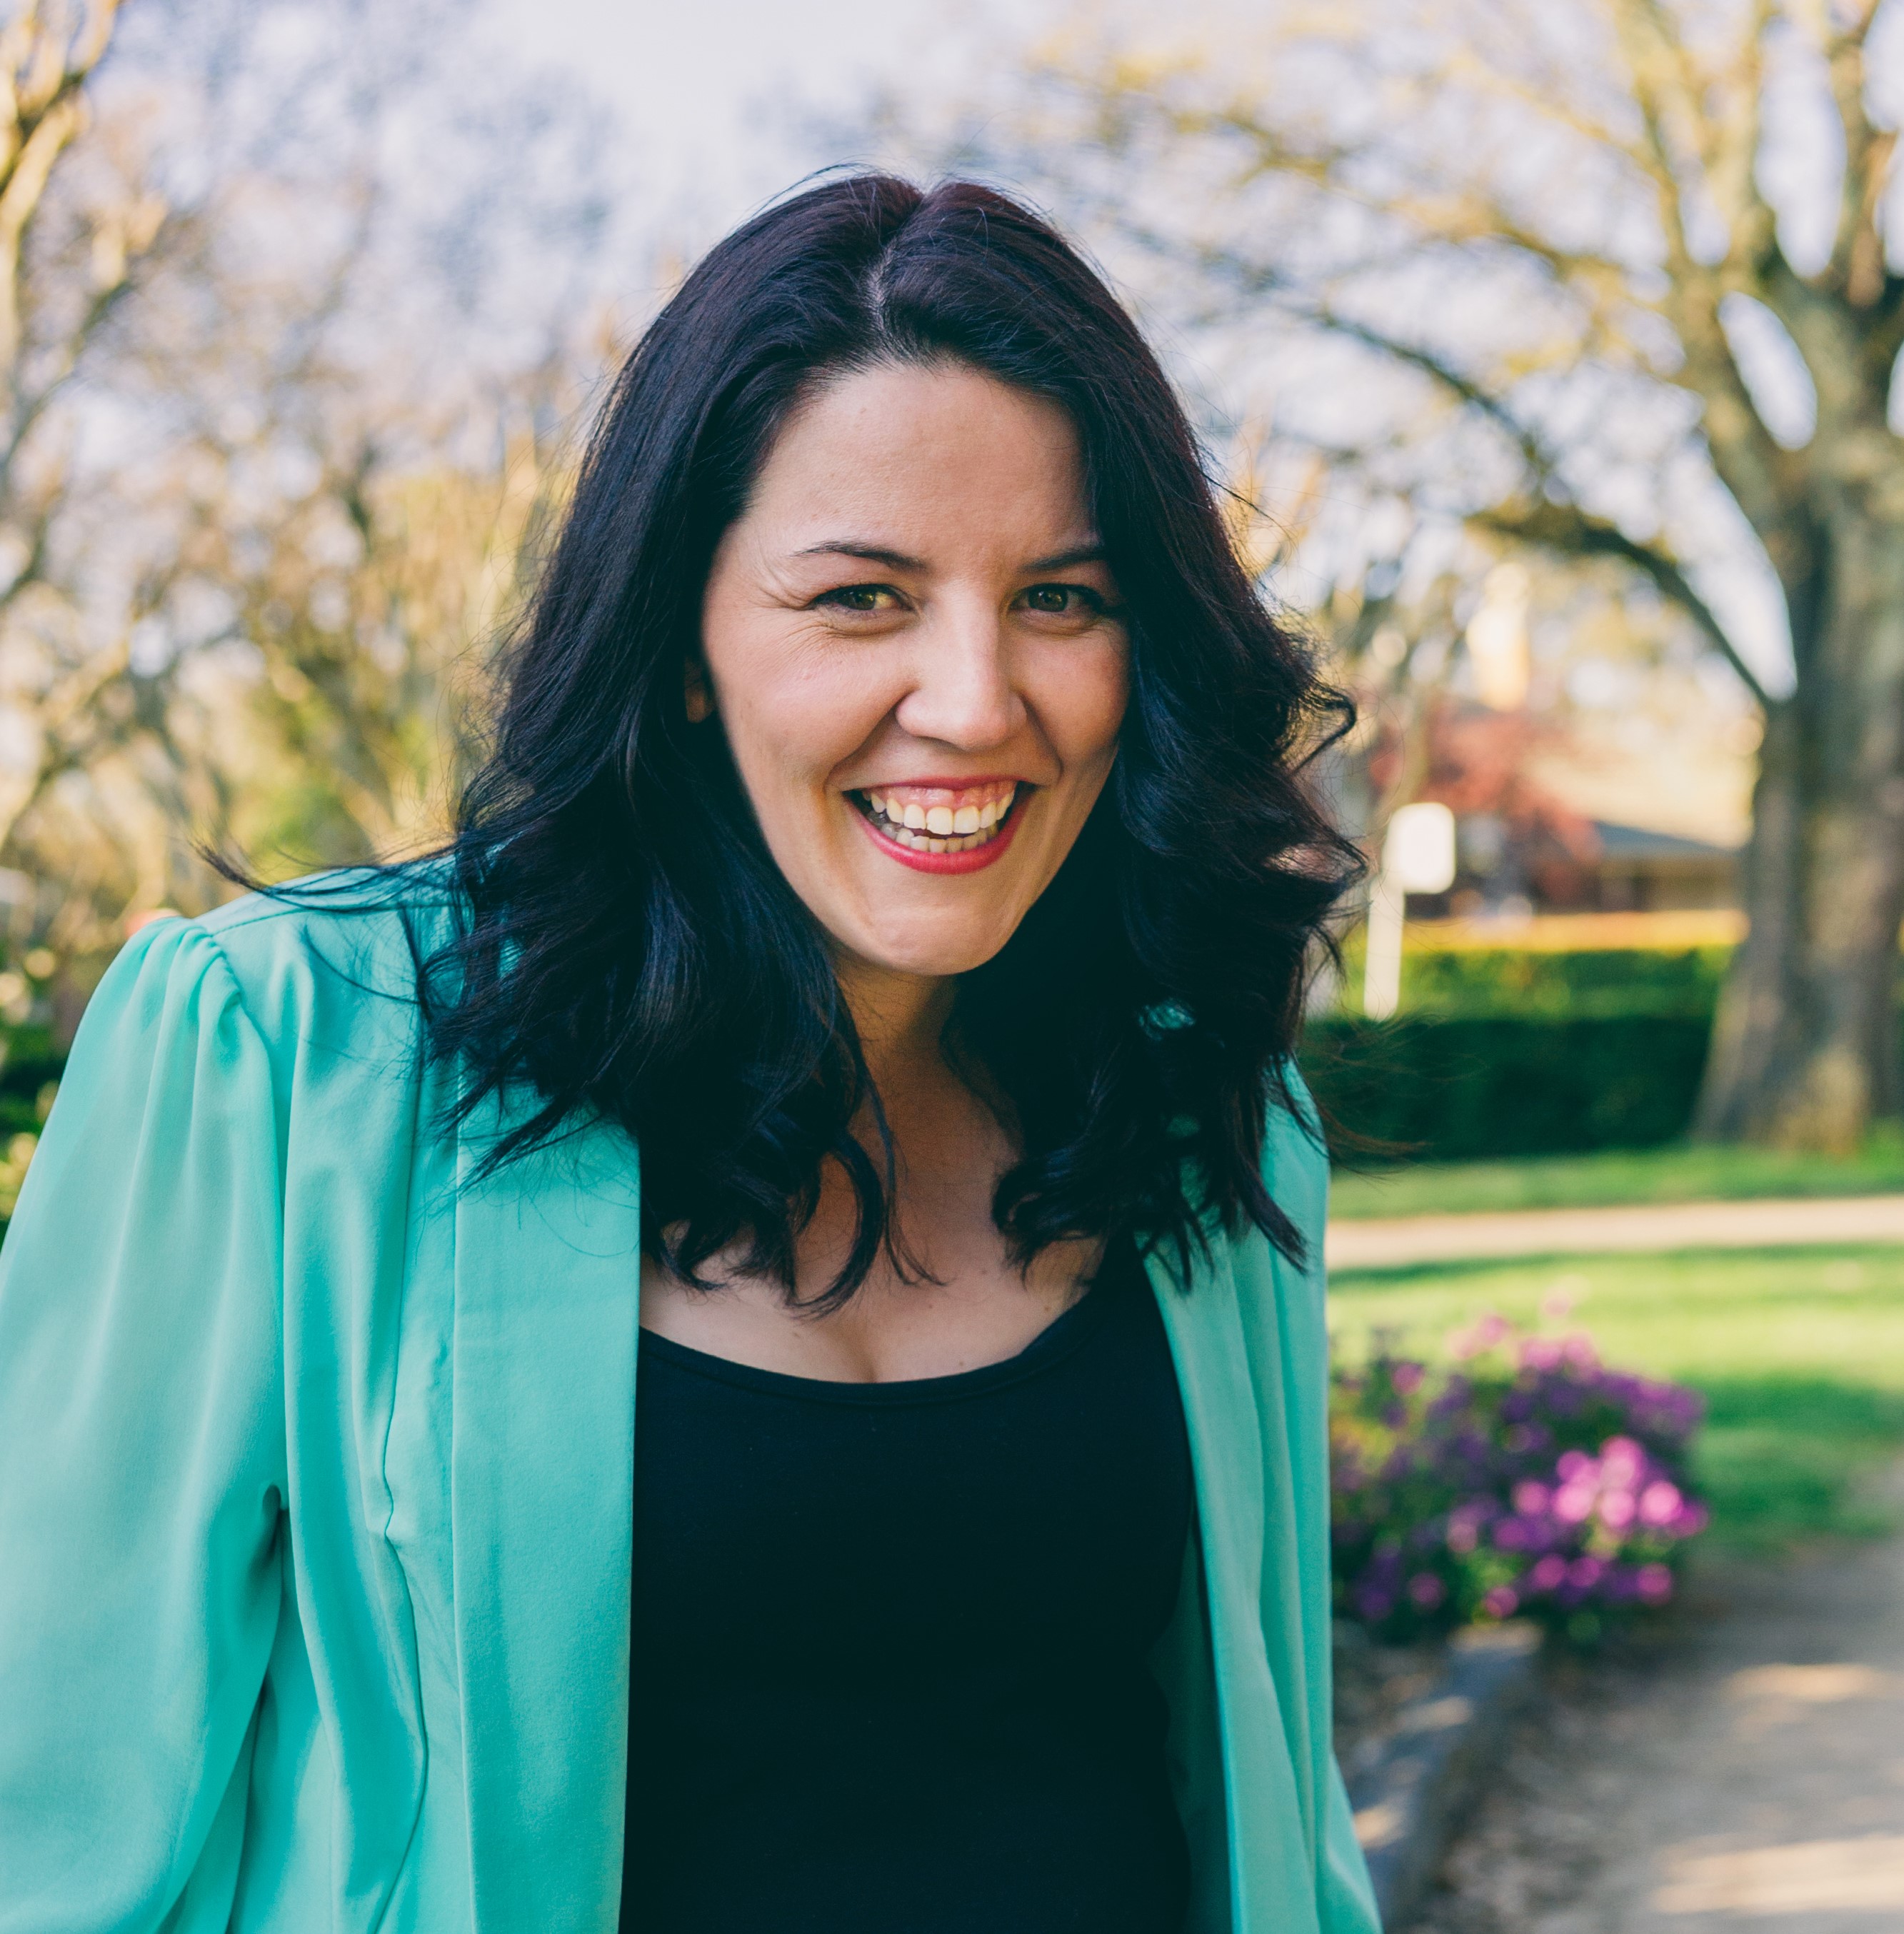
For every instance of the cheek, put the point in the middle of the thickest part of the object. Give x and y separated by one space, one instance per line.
1082 704
791 717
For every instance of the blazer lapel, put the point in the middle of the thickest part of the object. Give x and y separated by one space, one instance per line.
547 1282
1271 1888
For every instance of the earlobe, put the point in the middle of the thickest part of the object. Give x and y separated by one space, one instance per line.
699 700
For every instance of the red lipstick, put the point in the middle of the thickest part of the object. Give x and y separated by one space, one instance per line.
973 859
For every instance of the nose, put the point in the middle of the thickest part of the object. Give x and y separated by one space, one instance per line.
962 692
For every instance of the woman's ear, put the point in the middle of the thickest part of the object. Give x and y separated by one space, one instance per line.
699 695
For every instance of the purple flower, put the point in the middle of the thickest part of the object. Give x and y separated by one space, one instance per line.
1547 1572
1660 1503
1573 1503
1571 1472
1654 1583
1371 1604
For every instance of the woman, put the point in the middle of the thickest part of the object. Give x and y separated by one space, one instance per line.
863 976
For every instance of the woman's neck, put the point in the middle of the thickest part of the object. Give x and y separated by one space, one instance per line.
900 1018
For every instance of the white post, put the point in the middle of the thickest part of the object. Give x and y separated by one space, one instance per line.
1417 857
1382 972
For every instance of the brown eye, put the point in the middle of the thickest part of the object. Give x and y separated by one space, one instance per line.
1062 601
860 598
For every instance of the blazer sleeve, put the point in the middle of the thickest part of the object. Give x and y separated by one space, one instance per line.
141 1455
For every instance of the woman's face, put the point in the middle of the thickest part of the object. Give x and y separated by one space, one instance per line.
912 642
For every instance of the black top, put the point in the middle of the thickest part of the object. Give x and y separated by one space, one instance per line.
889 1643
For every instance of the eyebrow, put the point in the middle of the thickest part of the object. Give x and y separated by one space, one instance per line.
898 560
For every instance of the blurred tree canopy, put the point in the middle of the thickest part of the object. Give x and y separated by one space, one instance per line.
294 305
1618 281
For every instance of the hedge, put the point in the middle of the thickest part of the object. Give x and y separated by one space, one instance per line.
29 1061
1569 985
1469 1087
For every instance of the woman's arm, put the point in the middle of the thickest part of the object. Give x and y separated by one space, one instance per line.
141 1455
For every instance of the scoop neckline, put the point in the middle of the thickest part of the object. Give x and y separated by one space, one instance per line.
1058 1339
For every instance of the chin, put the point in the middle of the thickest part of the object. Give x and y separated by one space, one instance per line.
934 955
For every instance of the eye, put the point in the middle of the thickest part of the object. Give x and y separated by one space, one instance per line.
1063 600
877 598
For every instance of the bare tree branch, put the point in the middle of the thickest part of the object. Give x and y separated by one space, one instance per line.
1570 531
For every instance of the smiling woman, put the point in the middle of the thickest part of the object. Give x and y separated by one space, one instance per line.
742 1347
974 691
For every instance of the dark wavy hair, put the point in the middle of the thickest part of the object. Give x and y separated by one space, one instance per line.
628 949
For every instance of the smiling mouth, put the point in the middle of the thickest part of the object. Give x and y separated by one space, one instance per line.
940 819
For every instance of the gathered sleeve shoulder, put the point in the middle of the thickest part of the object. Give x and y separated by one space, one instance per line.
143 1459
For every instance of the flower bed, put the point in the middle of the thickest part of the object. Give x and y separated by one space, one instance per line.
1527 1479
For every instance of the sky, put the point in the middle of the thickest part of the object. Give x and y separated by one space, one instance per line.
718 101
714 93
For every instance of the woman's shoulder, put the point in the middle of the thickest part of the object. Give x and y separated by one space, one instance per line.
321 969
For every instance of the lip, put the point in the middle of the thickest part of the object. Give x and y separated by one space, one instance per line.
974 860
959 782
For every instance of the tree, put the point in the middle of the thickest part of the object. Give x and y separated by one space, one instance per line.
283 407
1573 246
66 264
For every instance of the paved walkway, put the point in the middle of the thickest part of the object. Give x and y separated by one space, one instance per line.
1397 1242
1750 1781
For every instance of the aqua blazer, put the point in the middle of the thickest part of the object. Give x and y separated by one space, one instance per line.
316 1468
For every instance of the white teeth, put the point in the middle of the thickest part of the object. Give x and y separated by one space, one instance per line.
939 829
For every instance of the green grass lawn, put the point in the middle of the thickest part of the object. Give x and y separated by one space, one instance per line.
1799 1353
1673 1174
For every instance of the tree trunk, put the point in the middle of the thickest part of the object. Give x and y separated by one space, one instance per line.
1805 1049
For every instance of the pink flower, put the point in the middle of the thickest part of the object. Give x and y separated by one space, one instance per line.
1480 1336
1531 1499
1616 1509
1573 1503
1660 1503
1654 1583
1547 1572
1463 1534
1540 1352
1427 1590
1574 1464
1585 1572
1623 1461
1502 1601
1579 1351
1406 1377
